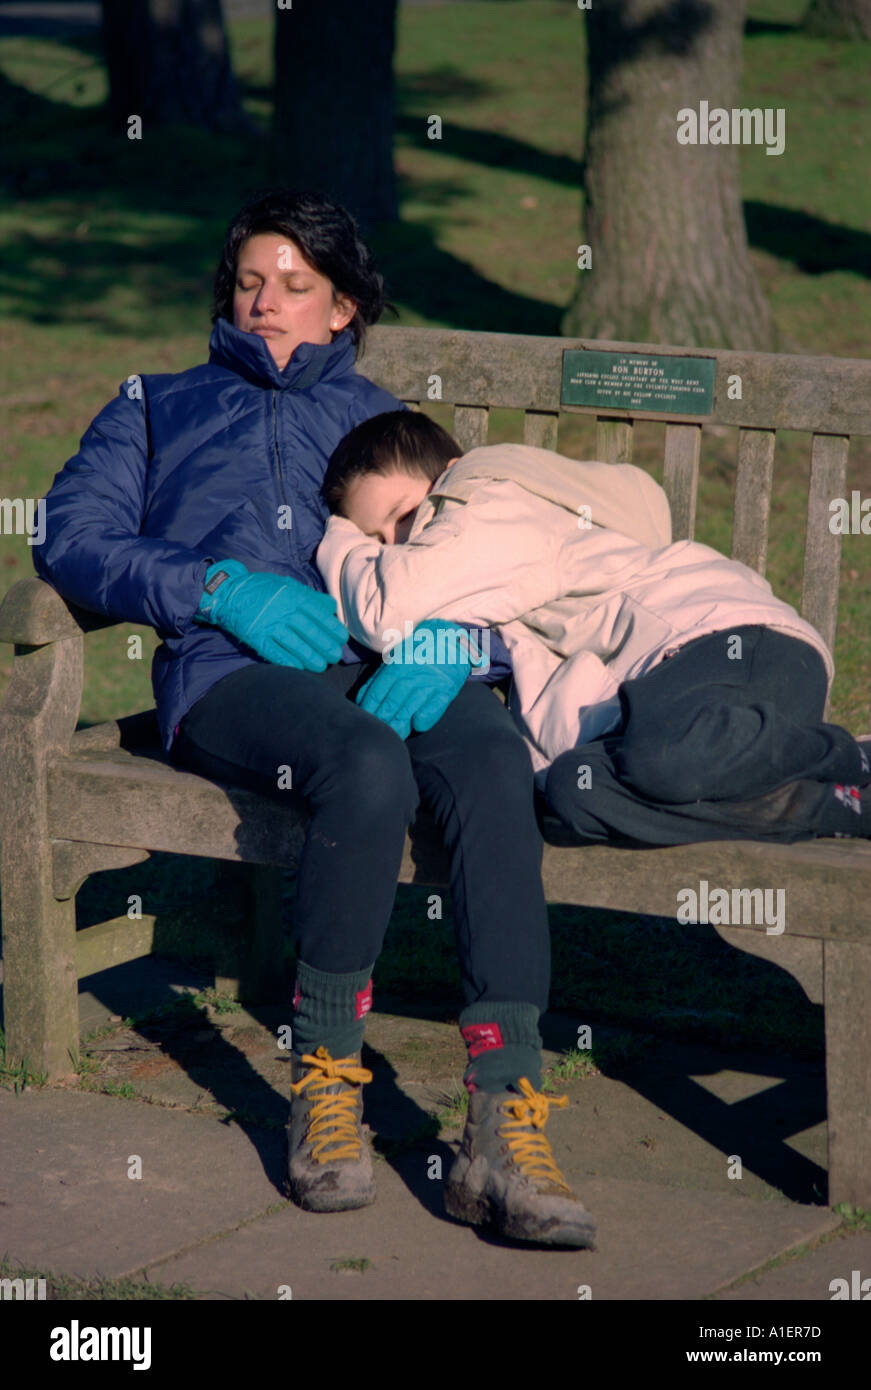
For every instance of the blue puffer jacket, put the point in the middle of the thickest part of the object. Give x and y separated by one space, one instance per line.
224 460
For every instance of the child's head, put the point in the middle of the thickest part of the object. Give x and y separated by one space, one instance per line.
382 470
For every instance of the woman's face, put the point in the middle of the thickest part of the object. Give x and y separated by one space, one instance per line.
283 299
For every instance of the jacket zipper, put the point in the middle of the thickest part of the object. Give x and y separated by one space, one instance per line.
281 493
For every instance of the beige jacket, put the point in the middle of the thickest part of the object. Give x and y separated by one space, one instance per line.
573 563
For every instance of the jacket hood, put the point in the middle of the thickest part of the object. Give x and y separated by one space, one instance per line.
620 496
248 355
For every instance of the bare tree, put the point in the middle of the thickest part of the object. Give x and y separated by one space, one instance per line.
663 219
169 62
333 128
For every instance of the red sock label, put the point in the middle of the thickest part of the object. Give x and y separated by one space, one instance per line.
480 1037
850 797
297 994
364 1000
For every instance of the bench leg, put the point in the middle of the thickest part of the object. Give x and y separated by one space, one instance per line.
40 981
40 985
847 987
249 963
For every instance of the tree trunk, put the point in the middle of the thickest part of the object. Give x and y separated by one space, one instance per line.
333 129
839 19
169 63
664 221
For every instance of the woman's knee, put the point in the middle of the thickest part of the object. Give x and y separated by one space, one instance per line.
369 769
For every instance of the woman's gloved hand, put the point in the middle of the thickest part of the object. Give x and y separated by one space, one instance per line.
281 619
420 676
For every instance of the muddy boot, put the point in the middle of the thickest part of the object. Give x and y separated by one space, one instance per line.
330 1163
505 1175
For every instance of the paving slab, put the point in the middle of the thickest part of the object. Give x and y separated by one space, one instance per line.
68 1205
653 1244
208 1212
810 1277
679 1114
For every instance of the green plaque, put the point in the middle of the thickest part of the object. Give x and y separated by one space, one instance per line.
633 381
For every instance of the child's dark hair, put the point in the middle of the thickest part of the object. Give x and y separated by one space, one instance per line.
329 239
399 441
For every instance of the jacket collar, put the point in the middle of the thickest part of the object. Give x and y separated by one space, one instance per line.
249 356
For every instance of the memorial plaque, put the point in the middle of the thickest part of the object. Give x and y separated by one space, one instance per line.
636 381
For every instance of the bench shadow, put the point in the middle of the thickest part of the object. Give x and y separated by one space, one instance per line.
756 1128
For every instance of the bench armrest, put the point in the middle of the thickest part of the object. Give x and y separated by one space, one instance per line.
33 614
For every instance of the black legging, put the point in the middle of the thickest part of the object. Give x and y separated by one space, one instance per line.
716 748
361 782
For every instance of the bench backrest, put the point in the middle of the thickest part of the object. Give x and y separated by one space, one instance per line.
828 398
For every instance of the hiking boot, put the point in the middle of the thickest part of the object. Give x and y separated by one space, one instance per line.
505 1174
329 1160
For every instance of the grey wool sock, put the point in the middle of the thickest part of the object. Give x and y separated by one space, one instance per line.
503 1043
329 1010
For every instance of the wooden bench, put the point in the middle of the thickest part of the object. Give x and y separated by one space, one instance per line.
75 802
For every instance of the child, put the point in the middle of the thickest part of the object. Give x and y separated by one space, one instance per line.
685 694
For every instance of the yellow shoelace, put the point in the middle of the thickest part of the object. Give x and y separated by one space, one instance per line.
333 1122
532 1152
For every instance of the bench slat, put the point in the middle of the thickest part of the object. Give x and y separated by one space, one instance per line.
832 872
822 555
753 498
680 477
115 799
613 440
540 429
524 372
470 426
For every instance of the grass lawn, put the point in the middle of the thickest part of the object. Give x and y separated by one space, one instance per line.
108 248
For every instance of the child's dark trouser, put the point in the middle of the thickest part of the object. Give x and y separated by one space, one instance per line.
361 784
723 741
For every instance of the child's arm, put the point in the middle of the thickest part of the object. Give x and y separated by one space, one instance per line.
480 562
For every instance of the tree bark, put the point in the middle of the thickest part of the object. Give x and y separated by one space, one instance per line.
334 110
169 63
839 19
664 221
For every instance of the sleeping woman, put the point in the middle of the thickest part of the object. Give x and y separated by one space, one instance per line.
665 694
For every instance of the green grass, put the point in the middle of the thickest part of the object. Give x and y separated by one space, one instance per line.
18 1078
351 1266
66 1288
452 1106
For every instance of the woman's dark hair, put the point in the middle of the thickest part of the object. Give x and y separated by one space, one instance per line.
329 239
399 441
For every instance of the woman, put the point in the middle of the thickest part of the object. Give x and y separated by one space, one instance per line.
194 506
666 694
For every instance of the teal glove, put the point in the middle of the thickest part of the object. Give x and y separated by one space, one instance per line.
420 676
281 619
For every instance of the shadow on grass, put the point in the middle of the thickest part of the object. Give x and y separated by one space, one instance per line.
494 149
754 27
146 221
814 245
